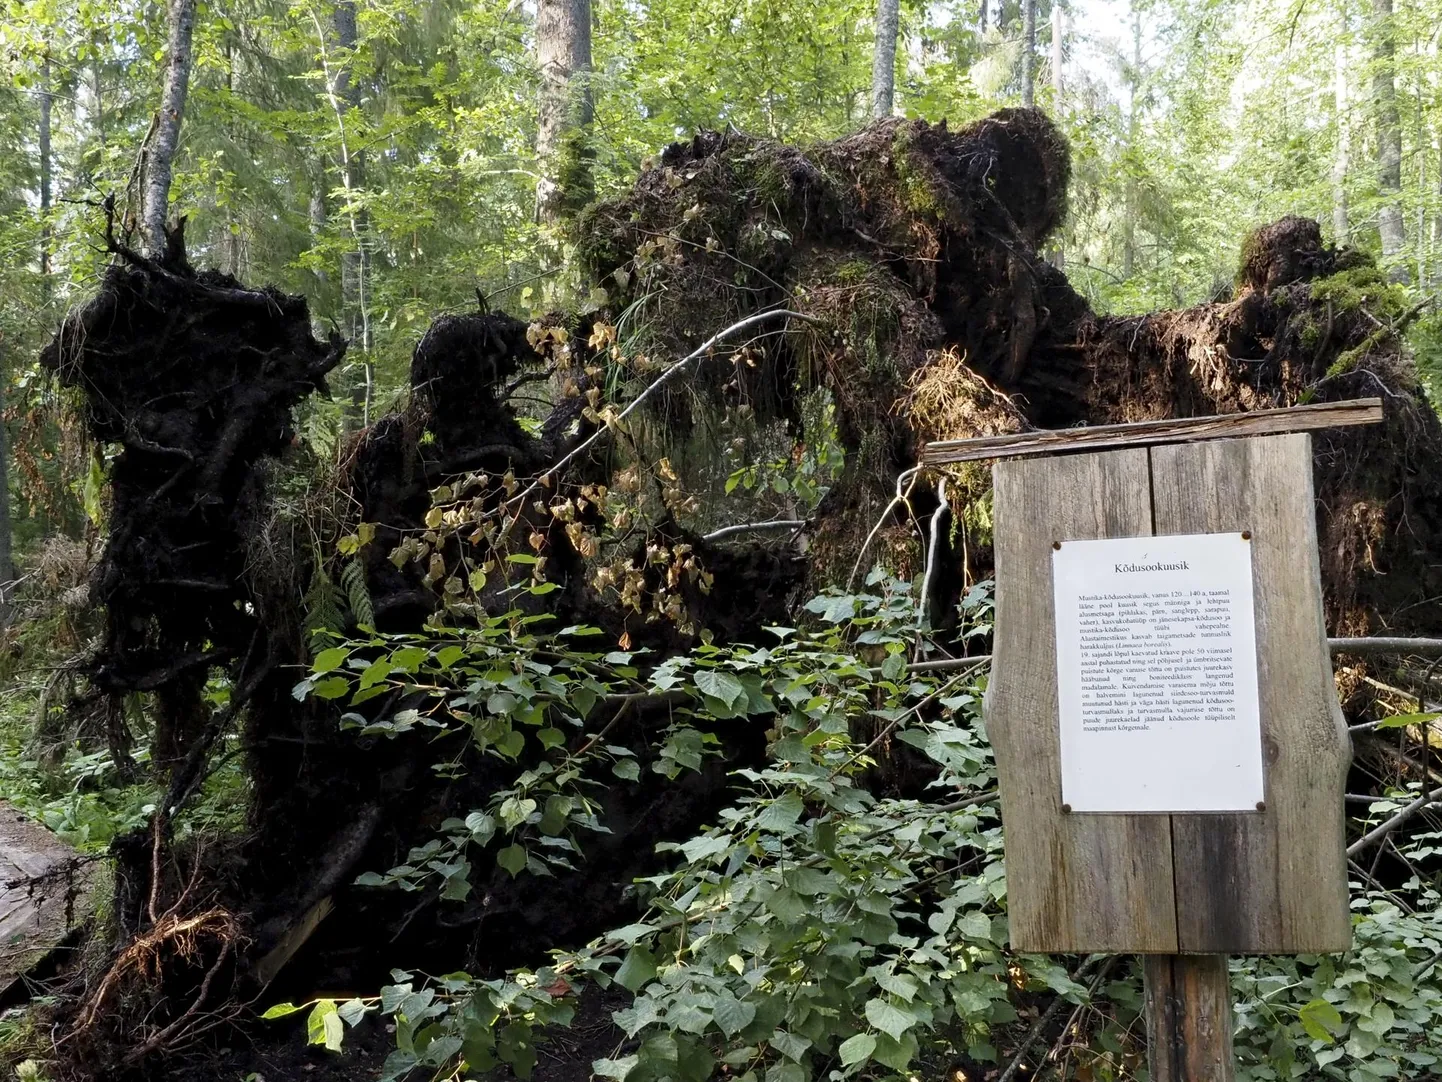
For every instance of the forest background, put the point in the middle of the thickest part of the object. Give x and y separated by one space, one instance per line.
380 157
384 158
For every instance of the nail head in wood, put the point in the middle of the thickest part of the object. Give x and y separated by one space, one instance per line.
1056 544
1261 805
1066 809
1246 535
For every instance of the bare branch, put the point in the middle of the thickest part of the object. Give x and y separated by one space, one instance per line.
1376 834
755 527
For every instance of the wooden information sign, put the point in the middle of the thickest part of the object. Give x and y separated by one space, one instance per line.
1169 746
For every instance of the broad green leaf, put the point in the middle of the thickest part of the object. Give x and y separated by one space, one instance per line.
857 1049
332 687
626 769
732 1015
352 1011
790 1044
974 925
280 1010
324 1026
512 858
721 685
901 984
1321 1020
638 967
330 660
889 1018
781 814
616 1069
708 845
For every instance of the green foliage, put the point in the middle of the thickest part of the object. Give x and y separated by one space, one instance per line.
815 926
1374 1013
813 919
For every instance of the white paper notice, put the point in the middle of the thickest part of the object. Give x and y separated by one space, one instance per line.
1157 674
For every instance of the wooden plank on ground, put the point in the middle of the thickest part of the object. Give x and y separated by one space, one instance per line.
1095 883
1275 881
1361 411
38 894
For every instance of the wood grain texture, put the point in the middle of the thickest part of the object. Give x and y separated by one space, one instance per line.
1275 881
1362 411
1079 883
1189 1018
36 908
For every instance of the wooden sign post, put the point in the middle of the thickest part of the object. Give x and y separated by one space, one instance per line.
1168 742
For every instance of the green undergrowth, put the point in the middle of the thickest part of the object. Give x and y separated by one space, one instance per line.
821 926
81 794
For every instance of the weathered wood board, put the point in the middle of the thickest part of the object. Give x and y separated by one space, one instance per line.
1269 881
38 900
1189 1018
1084 880
1360 411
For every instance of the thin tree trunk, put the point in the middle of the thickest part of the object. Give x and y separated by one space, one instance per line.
1389 139
982 20
1437 217
345 102
317 216
1422 202
883 58
160 155
1341 221
7 561
1058 36
1028 52
1132 195
563 135
1058 89
47 100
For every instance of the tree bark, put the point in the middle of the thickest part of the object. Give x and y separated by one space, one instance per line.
1058 88
1389 139
345 99
1028 52
1132 195
47 100
1341 221
563 135
982 20
160 156
1058 35
7 561
883 59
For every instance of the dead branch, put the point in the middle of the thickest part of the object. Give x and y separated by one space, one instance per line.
1377 833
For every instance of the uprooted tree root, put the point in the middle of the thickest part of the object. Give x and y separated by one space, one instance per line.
918 247
912 251
171 982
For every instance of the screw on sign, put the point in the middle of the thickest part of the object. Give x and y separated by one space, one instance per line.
1168 741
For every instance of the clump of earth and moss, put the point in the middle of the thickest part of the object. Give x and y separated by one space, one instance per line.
914 249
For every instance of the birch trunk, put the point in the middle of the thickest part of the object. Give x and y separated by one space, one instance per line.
1028 52
47 99
883 58
1389 139
160 156
1341 221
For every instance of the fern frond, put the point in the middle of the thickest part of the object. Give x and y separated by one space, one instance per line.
353 578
